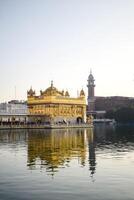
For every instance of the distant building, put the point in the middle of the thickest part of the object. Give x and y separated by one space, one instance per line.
54 106
99 105
113 102
13 111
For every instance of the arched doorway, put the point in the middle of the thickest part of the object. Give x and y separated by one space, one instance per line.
79 120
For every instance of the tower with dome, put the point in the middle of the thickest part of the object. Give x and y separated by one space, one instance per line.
91 94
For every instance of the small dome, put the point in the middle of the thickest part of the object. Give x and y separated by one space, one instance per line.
67 94
63 92
82 93
31 92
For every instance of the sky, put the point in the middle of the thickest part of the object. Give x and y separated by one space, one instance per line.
61 40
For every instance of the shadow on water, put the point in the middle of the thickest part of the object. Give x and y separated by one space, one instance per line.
106 133
117 138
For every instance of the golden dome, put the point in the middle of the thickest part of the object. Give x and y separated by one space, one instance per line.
51 91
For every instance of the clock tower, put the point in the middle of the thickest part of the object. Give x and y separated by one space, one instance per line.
91 97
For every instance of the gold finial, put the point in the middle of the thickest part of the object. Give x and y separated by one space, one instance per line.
51 83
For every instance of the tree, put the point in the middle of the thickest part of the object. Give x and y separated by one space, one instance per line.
123 115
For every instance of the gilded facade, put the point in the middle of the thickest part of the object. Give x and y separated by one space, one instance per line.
54 106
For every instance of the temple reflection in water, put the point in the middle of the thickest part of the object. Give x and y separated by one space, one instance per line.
55 149
52 150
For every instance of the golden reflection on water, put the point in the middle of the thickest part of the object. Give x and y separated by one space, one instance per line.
54 149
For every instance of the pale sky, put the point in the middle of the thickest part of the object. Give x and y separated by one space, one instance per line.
60 40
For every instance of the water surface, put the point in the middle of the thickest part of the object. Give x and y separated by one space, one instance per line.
96 164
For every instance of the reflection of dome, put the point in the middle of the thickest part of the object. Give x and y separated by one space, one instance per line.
52 91
82 93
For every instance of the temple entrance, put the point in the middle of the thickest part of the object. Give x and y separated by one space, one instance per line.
79 120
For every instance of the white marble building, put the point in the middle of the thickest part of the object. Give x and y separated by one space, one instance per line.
13 111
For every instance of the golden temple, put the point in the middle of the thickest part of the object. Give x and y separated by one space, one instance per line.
54 106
